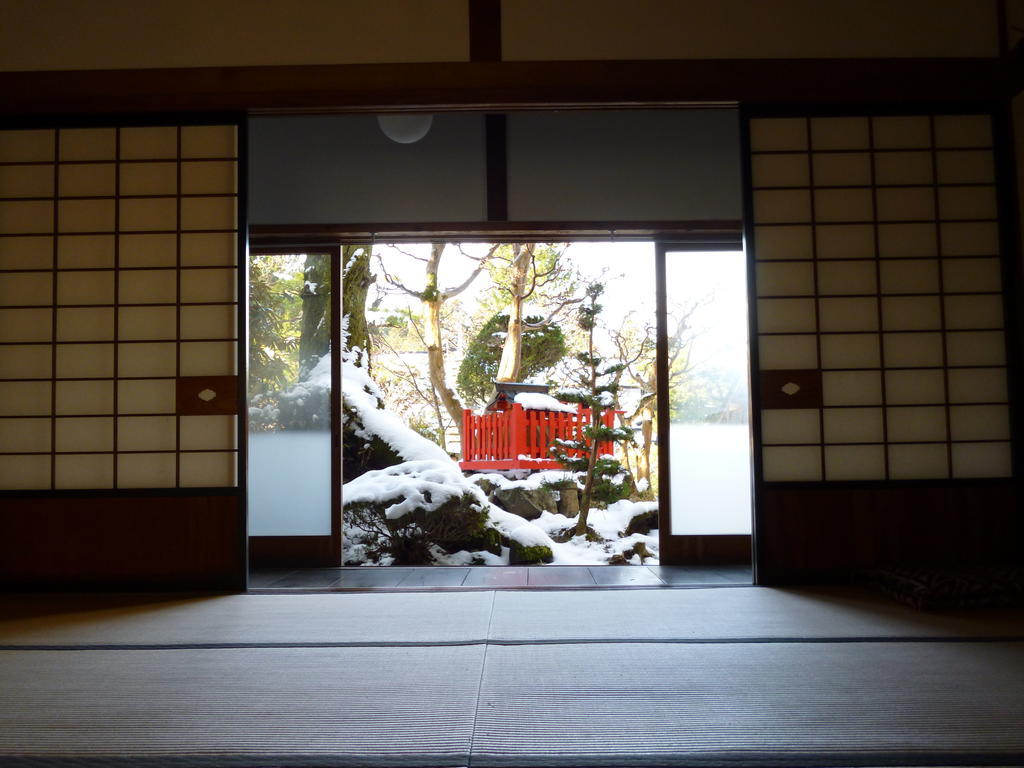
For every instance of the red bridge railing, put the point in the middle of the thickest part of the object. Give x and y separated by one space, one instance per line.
521 439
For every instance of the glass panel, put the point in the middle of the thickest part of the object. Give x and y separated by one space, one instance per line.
289 395
709 429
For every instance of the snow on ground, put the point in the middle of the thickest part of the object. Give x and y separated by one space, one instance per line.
609 524
538 401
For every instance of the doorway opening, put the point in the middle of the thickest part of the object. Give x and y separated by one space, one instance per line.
474 376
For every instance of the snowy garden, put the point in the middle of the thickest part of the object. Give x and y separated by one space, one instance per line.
498 401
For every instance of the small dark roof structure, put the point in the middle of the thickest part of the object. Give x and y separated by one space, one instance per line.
504 393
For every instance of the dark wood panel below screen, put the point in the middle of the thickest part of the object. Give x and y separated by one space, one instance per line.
293 551
832 534
126 542
725 549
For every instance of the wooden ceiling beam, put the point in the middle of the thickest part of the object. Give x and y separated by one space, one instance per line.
504 86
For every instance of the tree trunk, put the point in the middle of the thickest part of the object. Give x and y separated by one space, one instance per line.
432 300
595 422
315 333
356 281
512 351
643 461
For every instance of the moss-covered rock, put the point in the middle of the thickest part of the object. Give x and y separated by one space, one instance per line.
643 522
535 555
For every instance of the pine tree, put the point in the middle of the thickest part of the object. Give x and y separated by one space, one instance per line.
605 479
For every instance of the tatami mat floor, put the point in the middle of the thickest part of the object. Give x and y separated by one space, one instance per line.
509 577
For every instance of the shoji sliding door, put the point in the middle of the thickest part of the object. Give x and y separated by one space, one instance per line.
119 309
880 323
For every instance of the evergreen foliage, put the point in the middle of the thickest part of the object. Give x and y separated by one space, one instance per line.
605 480
543 346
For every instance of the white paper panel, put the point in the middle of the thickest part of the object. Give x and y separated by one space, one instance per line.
901 132
208 469
847 277
24 472
780 170
899 241
207 358
148 286
967 348
29 361
26 252
841 168
836 205
147 323
208 285
26 288
145 470
850 350
25 435
208 432
966 167
853 425
84 471
85 434
146 433
851 387
26 181
787 352
85 397
148 214
149 178
85 324
790 278
854 462
146 396
146 359
860 314
905 203
796 425
148 250
30 146
979 422
845 241
916 424
791 463
978 385
839 133
25 324
918 462
85 251
775 134
903 168
88 144
87 180
149 142
911 313
982 460
917 276
969 275
917 387
785 315
913 350
85 361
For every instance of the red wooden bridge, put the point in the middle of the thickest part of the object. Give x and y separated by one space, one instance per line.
521 439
